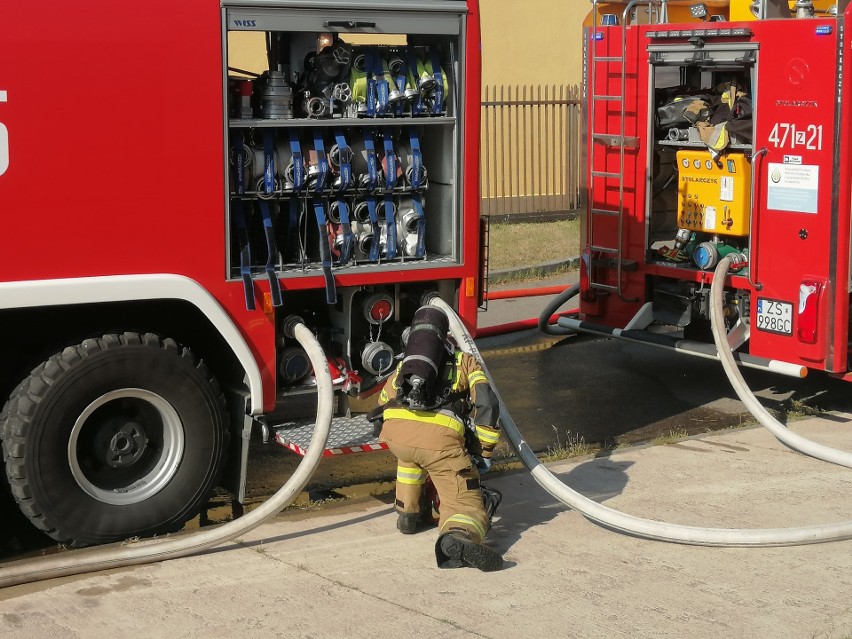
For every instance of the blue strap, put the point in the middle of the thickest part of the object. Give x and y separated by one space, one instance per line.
271 254
293 249
438 104
390 222
268 163
239 156
298 162
346 231
372 162
381 84
416 161
245 252
343 151
322 162
374 224
420 250
390 163
369 66
325 253
401 79
417 102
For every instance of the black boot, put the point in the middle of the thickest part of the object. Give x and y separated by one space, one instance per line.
406 523
455 549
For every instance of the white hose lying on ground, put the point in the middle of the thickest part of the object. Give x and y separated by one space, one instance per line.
794 441
148 551
630 524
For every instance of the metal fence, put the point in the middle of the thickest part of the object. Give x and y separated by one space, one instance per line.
530 154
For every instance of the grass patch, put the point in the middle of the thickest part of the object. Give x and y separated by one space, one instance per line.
797 409
574 445
514 245
671 437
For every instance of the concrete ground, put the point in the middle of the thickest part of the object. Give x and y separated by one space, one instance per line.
346 572
521 308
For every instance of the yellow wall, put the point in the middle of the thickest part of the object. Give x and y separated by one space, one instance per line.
246 50
529 42
532 41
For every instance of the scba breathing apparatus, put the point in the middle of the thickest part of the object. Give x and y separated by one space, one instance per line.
419 381
396 82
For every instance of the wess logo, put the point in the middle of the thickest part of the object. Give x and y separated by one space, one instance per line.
4 141
245 23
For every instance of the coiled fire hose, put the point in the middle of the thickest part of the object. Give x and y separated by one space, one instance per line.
631 524
554 305
118 555
794 441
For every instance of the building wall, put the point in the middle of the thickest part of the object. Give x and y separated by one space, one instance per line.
532 42
523 43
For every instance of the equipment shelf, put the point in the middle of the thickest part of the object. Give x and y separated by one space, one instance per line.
256 123
685 144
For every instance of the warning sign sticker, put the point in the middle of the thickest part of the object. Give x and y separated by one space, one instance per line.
793 187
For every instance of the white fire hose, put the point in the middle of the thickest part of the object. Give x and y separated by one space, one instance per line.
118 555
630 524
123 554
794 441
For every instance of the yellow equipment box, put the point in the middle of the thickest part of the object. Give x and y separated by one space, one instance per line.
714 196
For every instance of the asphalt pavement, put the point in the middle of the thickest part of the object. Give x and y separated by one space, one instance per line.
346 571
521 308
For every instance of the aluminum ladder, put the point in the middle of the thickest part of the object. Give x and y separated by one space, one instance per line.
602 140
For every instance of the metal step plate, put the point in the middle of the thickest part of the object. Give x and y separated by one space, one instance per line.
348 435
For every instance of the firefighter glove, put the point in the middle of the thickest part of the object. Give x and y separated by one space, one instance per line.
483 464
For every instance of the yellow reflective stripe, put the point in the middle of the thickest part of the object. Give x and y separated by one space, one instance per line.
383 396
457 380
475 377
442 418
487 435
409 475
464 519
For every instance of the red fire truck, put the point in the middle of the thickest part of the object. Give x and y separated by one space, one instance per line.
719 129
168 212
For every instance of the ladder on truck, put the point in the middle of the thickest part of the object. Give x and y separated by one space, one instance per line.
604 140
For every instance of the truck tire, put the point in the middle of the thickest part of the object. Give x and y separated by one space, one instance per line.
119 437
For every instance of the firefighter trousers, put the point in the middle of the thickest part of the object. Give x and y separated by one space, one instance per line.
455 478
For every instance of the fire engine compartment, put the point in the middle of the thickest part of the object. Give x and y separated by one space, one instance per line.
719 148
344 158
700 199
390 167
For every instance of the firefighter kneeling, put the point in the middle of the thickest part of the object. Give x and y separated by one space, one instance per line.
425 404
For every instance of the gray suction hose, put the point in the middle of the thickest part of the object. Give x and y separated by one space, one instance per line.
148 551
544 324
794 441
630 524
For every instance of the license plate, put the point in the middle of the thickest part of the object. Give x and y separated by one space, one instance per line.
775 317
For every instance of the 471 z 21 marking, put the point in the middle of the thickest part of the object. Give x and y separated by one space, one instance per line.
786 135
